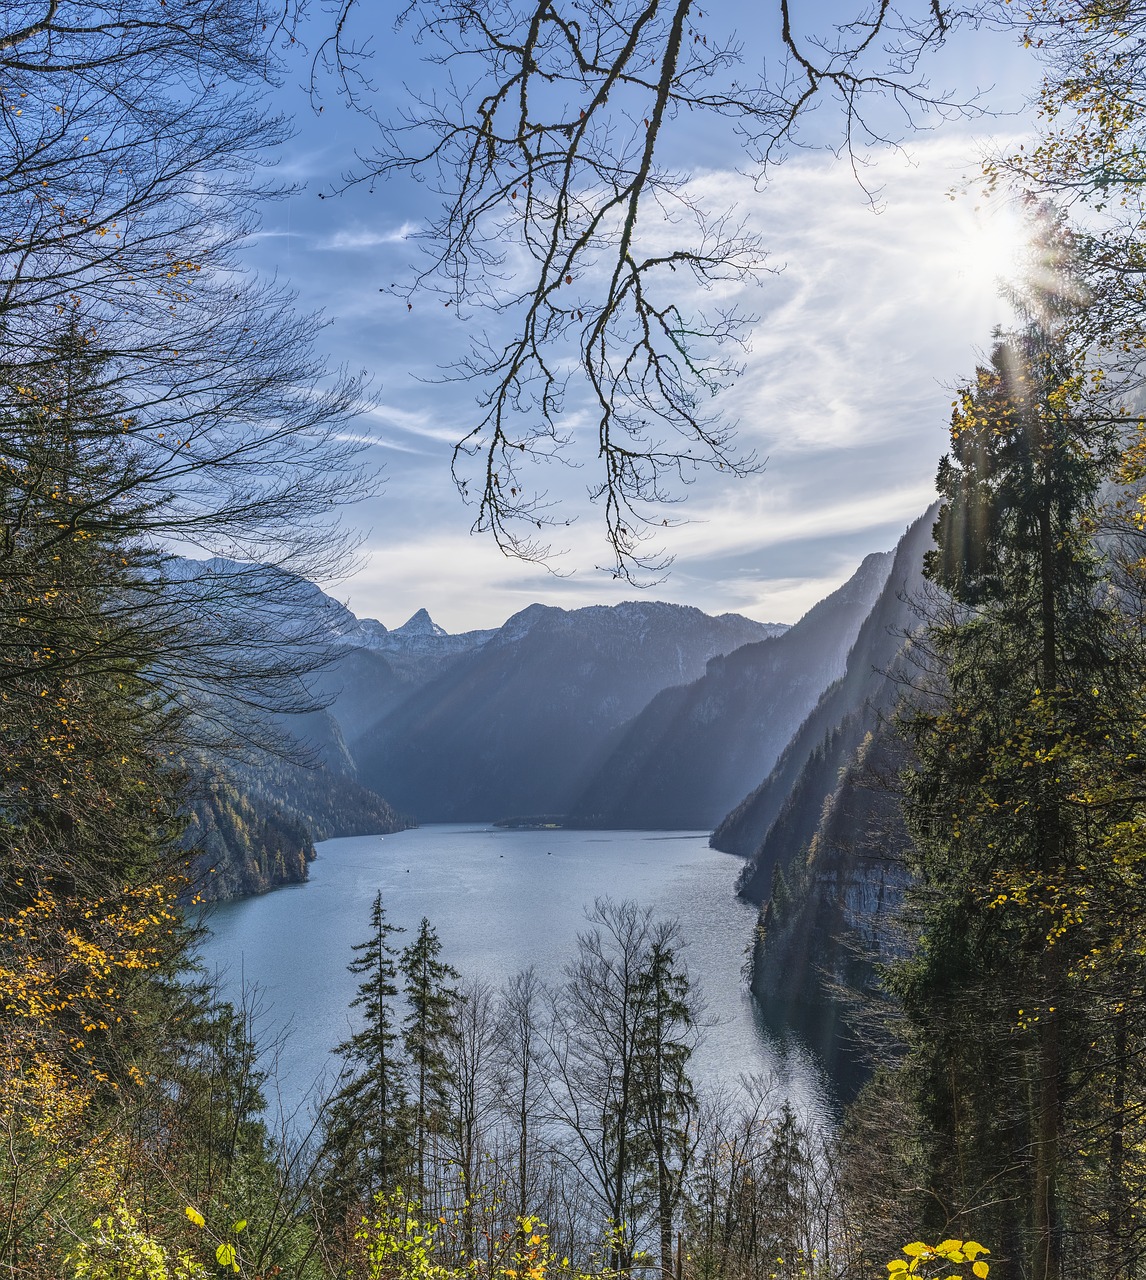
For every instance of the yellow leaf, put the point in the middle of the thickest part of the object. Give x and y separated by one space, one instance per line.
195 1216
980 1269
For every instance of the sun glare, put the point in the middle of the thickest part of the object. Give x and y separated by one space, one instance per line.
986 250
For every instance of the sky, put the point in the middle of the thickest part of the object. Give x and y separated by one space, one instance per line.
873 313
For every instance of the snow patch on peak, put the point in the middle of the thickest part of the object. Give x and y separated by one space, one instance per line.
421 624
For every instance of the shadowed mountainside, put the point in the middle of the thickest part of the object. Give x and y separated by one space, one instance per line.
792 795
516 726
695 750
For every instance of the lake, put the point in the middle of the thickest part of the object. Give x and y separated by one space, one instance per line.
500 901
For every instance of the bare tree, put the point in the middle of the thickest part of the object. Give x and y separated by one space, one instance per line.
764 1193
469 1049
618 1053
153 396
520 1079
549 135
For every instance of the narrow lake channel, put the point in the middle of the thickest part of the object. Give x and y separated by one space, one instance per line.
500 901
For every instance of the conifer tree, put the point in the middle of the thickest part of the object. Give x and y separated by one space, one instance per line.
430 999
666 1033
367 1129
88 794
1011 835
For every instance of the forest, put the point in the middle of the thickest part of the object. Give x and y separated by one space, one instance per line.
158 401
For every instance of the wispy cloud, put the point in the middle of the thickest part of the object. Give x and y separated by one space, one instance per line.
859 336
759 521
359 238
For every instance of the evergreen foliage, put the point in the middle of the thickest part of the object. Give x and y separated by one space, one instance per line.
1015 837
367 1129
430 1001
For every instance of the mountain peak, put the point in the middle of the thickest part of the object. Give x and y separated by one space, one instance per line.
421 624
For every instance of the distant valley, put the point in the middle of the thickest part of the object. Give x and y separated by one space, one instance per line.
641 715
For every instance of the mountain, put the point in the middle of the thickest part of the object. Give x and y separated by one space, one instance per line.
687 758
847 710
263 616
253 823
518 725
375 670
826 843
831 915
418 640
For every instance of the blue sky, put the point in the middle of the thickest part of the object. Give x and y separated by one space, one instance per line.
870 318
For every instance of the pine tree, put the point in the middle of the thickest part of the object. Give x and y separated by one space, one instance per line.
368 1124
430 999
666 1034
1037 695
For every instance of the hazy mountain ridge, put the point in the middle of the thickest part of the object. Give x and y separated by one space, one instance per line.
829 871
695 750
515 727
848 708
641 714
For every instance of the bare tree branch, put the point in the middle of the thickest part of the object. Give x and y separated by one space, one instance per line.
546 139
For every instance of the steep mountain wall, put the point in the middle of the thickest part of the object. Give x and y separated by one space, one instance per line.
828 865
253 824
695 750
845 712
831 914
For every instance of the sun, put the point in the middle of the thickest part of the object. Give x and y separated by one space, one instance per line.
986 250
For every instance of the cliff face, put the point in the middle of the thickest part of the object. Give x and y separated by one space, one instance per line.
252 825
831 914
241 845
689 755
847 710
827 844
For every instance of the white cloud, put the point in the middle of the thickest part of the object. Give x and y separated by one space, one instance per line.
757 520
845 391
360 238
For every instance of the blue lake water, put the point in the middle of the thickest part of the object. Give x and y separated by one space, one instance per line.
500 901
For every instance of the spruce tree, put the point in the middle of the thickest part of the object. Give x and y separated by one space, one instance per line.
368 1125
430 1006
1010 835
666 1034
89 930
